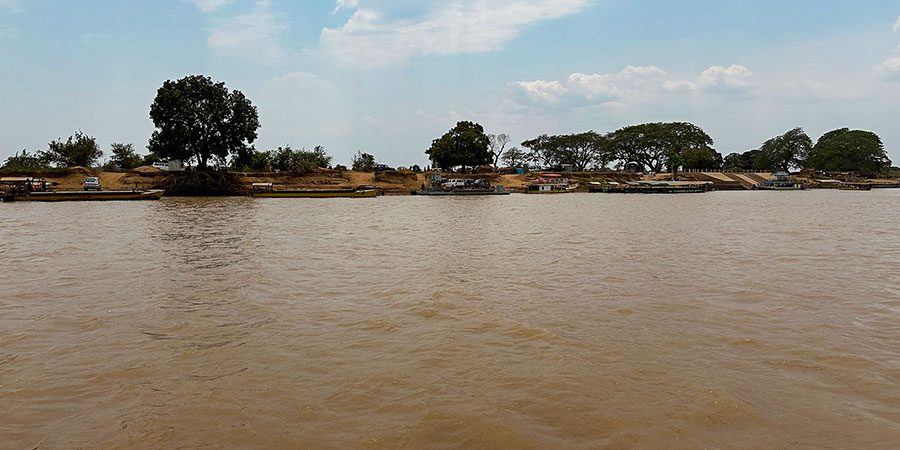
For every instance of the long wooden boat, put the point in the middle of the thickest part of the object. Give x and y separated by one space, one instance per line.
849 186
266 190
651 187
69 196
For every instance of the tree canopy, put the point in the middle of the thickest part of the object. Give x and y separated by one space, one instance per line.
652 145
740 161
581 150
199 120
363 162
79 150
784 152
124 157
27 161
849 150
464 145
299 161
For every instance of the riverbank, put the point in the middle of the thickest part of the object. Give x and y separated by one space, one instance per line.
389 182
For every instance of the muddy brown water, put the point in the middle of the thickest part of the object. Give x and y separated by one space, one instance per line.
722 320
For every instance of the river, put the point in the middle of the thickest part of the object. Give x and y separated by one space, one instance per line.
745 320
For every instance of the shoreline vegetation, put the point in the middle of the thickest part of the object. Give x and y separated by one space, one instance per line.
202 124
390 182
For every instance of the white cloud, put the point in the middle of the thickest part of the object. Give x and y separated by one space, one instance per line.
254 36
889 69
612 86
897 25
464 26
345 4
736 79
616 89
545 91
207 5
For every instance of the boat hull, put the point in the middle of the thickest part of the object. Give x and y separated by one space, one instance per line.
456 193
369 193
780 188
69 196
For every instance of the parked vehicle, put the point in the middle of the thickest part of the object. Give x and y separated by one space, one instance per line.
92 183
382 167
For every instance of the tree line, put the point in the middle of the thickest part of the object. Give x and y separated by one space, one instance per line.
202 122
659 147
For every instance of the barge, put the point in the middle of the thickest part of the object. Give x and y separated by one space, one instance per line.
37 190
438 186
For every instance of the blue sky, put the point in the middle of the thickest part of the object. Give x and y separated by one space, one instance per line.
387 77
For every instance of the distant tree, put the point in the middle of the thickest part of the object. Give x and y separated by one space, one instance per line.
464 145
497 145
317 156
79 150
784 152
740 161
124 157
363 162
199 120
150 158
543 150
849 150
581 150
515 158
255 160
701 158
299 161
653 144
27 161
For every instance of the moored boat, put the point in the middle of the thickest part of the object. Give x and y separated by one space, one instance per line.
437 186
37 190
550 183
268 190
68 196
781 182
850 186
652 187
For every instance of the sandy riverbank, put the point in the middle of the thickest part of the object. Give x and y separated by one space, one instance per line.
391 182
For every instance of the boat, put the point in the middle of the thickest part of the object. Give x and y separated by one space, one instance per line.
781 182
851 186
651 187
268 190
550 183
27 189
438 186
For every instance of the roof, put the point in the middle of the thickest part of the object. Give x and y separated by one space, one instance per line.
551 175
782 174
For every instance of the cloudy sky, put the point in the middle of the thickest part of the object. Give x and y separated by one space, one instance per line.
388 76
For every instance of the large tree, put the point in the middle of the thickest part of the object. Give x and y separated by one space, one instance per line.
199 120
581 150
79 150
464 145
784 152
652 145
849 150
